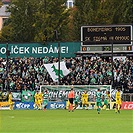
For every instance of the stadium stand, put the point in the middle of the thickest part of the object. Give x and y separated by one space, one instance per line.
30 73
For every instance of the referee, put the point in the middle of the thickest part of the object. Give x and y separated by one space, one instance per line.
71 99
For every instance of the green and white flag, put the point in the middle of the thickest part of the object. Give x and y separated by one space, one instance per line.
54 72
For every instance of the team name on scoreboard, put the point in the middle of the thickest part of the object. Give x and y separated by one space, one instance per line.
116 34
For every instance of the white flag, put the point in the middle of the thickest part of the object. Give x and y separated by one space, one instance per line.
54 72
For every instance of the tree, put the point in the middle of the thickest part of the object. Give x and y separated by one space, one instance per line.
85 14
6 34
69 34
22 19
123 13
101 12
52 15
36 20
0 3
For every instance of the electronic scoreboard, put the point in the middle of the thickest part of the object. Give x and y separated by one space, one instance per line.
101 38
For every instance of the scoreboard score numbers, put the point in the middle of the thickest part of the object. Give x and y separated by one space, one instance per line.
106 49
104 35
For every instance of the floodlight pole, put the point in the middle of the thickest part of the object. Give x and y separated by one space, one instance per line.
59 62
57 38
7 66
112 63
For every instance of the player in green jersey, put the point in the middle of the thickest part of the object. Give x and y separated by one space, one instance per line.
98 98
45 99
106 100
77 100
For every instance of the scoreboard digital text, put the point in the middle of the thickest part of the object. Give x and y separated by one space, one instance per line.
100 38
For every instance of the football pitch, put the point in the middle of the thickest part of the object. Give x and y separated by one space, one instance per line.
62 121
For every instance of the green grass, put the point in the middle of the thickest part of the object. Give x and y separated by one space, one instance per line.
62 121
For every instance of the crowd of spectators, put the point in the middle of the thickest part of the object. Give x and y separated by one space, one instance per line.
30 73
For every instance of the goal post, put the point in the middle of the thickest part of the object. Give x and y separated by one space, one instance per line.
60 92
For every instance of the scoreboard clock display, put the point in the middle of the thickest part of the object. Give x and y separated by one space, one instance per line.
107 49
104 35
